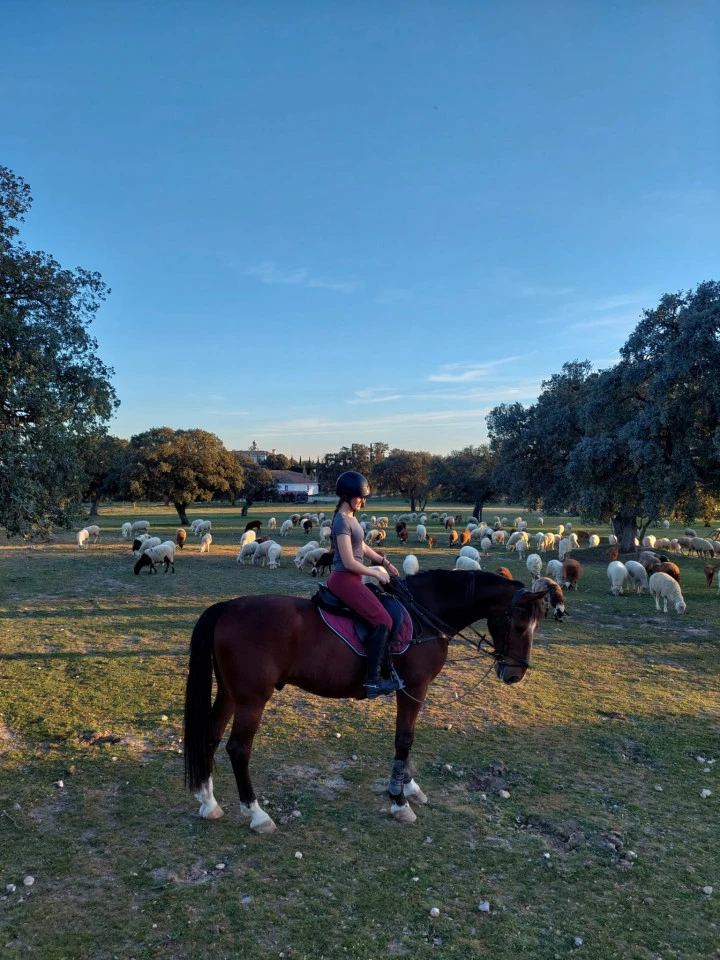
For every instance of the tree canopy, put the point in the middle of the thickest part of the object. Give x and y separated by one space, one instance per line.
55 392
466 475
182 466
406 472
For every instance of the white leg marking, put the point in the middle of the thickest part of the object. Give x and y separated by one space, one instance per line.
210 809
260 822
414 794
403 813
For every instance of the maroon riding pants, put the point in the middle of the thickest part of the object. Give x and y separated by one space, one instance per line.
352 591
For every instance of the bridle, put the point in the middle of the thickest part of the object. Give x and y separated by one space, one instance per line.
445 632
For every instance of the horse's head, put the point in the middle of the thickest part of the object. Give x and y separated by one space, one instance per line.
513 632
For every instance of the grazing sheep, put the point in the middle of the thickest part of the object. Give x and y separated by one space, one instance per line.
307 525
193 526
612 539
709 571
94 531
202 528
540 522
565 548
467 563
421 532
246 552
666 524
534 565
375 536
272 523
145 544
568 527
703 548
410 565
248 537
404 536
449 523
520 548
160 553
466 536
504 572
664 587
470 552
513 539
431 541
304 551
672 570
648 542
140 526
554 570
273 555
662 543
637 575
690 532
82 538
141 539
553 598
180 537
486 545
572 571
477 533
613 553
650 561
593 540
205 543
498 537
325 535
453 538
617 575
253 525
323 564
126 530
261 555
286 528
560 530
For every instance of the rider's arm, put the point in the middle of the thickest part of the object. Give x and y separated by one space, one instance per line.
343 545
379 559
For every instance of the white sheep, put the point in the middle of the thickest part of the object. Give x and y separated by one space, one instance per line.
612 539
534 565
325 535
554 570
486 545
161 553
246 552
205 542
202 528
272 523
666 524
540 541
193 526
561 530
374 536
273 555
248 537
648 542
140 526
305 548
410 565
126 530
617 575
520 548
541 522
689 532
94 531
286 528
638 575
593 540
309 559
498 537
467 563
470 552
146 544
82 538
421 532
513 539
477 533
663 586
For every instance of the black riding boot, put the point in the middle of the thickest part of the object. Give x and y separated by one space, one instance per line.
375 647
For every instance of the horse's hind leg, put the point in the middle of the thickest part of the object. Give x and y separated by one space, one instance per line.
402 787
239 747
220 713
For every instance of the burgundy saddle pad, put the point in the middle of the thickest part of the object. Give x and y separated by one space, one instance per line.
344 627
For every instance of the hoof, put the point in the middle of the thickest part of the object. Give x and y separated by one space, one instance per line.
265 826
404 813
214 813
418 797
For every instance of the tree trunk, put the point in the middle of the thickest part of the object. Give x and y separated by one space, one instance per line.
246 507
412 504
624 527
94 503
477 509
181 508
422 504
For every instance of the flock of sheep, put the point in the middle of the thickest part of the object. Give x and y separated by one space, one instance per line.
652 572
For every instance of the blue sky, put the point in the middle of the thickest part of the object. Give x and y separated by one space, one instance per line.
337 222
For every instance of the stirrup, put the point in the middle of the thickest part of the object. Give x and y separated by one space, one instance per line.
384 686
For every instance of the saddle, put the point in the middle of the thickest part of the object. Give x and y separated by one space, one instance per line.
333 611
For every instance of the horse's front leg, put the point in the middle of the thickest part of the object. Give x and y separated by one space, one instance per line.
239 747
402 786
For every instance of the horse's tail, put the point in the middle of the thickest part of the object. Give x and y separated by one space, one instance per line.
199 747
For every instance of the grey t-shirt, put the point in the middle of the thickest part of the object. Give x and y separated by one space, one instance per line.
349 525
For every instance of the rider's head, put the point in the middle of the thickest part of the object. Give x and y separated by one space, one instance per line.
352 488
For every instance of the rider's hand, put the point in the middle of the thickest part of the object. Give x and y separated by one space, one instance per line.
392 570
382 575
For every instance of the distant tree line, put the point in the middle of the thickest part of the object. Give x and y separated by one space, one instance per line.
636 441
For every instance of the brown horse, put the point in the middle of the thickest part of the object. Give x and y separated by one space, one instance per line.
257 644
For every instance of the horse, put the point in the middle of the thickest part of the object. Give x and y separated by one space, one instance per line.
258 644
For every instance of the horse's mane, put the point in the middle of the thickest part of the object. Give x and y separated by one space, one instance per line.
448 580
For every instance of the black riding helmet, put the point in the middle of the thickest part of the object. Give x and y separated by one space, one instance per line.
351 484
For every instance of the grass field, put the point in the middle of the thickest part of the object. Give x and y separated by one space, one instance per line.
605 836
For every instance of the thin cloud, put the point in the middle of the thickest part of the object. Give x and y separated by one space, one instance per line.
463 372
269 272
316 426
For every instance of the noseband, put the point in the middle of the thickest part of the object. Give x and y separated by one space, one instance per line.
506 620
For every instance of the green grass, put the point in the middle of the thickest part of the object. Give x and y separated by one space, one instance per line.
622 699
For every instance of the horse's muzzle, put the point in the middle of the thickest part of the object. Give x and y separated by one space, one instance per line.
510 674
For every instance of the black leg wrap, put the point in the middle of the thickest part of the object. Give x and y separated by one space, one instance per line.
395 786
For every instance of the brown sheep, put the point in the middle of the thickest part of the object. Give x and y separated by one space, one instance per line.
296 518
431 541
458 518
180 537
400 525
572 571
613 554
449 523
671 569
504 572
453 538
307 526
403 536
709 573
464 537
650 561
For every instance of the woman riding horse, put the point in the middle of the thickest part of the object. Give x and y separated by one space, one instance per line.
346 582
